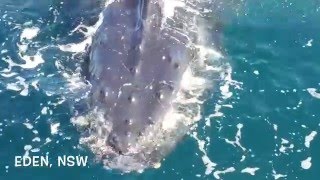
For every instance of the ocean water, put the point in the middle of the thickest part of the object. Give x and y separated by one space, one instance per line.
260 122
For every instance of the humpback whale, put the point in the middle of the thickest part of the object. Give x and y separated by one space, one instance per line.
136 64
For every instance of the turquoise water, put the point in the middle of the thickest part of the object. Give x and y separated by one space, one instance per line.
272 47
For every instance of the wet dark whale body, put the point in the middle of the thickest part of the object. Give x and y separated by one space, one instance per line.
136 66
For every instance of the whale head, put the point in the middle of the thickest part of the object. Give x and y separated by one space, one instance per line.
137 63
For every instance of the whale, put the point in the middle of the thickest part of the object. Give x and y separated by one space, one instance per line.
137 60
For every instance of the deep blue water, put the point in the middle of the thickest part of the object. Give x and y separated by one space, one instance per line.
271 46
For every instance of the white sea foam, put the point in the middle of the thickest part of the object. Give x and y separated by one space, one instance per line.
313 92
275 127
19 85
306 164
54 128
31 61
44 110
35 150
29 33
309 138
309 43
88 33
27 148
285 146
76 47
36 139
48 140
217 174
250 170
170 6
13 87
236 142
28 125
210 165
278 175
